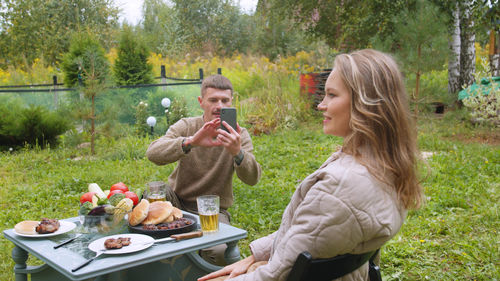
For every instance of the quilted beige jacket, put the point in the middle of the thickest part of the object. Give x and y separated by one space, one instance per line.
338 209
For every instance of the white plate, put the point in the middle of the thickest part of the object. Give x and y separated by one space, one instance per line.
64 226
138 242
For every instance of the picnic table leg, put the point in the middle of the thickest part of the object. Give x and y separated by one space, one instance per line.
232 253
20 257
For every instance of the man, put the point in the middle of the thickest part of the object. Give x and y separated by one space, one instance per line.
207 156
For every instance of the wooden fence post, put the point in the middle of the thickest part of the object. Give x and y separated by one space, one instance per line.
54 80
163 77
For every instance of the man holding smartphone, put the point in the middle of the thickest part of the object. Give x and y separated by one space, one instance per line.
207 156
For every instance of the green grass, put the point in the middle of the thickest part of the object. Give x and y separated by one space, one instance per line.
453 237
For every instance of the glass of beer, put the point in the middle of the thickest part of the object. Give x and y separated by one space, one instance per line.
208 210
156 191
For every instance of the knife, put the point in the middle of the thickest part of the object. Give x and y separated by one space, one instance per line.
175 237
67 241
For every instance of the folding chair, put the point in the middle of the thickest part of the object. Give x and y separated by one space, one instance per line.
306 268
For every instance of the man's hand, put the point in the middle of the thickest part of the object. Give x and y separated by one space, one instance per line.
232 270
232 140
206 135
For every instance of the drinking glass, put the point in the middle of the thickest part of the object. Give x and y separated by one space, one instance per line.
156 191
208 210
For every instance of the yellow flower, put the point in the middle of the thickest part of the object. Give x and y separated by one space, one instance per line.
422 241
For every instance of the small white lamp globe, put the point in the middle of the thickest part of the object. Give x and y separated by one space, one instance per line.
165 102
151 121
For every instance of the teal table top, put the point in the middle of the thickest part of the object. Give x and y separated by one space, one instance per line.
75 253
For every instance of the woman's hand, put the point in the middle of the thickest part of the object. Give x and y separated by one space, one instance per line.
232 270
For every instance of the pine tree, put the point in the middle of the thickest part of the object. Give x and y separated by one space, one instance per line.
131 66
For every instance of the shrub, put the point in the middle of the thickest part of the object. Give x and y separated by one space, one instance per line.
34 125
131 66
485 108
177 110
141 114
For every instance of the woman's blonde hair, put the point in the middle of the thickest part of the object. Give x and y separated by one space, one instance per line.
383 136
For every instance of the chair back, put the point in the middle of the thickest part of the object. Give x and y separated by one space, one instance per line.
306 268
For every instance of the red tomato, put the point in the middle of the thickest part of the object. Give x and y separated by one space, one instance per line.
132 196
86 197
114 192
119 186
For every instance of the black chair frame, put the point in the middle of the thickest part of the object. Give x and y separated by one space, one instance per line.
307 268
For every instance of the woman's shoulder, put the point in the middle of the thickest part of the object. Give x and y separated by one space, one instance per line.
353 179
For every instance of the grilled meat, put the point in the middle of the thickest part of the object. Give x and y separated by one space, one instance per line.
47 226
117 243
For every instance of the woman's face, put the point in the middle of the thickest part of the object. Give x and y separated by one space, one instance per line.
336 107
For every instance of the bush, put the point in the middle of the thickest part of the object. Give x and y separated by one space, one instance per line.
485 108
33 126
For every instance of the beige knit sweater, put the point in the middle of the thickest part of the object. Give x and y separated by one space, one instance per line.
204 170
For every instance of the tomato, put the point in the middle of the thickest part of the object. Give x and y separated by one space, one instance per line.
86 197
114 192
119 186
132 196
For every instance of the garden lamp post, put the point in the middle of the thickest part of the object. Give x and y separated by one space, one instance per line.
151 123
166 103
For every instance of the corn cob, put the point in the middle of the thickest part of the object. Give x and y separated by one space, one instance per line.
123 207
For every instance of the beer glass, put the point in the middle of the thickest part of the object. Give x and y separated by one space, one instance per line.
156 191
208 210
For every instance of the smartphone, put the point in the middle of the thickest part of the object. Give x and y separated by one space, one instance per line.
228 114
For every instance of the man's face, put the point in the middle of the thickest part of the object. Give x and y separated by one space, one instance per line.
213 101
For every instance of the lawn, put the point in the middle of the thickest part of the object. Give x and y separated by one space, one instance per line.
453 237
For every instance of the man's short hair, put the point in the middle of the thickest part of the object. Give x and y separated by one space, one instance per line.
217 82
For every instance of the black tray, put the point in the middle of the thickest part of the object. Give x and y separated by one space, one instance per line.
166 232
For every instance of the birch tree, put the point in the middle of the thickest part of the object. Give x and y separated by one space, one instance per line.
467 40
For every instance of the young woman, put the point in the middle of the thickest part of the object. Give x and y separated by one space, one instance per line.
357 200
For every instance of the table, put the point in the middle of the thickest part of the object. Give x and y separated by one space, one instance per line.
169 261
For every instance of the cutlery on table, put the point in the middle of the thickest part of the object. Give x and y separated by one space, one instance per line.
175 237
67 241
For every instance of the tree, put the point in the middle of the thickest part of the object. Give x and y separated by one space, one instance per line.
42 28
86 62
162 29
131 66
419 41
344 25
212 26
463 15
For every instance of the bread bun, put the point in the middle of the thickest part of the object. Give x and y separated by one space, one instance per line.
158 212
169 219
139 213
175 215
26 227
